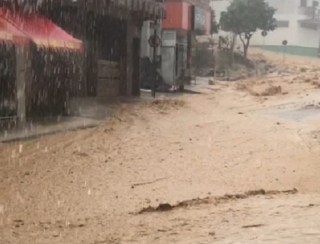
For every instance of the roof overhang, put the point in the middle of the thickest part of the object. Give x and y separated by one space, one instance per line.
148 9
9 33
38 29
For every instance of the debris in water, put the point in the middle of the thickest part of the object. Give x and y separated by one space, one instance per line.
148 183
164 207
252 226
81 154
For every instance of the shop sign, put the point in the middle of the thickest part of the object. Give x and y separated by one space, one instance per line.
199 24
169 38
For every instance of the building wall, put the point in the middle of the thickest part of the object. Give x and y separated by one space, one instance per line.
208 22
294 34
287 10
179 14
186 16
177 45
219 6
146 31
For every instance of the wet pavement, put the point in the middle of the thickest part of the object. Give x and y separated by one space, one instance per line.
49 127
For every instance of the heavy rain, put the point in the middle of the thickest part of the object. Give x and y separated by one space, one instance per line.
159 121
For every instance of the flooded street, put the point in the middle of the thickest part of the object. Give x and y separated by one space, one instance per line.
224 166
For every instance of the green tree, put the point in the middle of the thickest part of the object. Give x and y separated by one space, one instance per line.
245 17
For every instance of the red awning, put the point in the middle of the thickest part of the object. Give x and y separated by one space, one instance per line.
9 33
42 31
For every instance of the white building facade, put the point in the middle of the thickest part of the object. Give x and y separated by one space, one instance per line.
298 23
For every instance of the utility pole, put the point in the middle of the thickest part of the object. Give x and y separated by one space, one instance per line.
284 49
155 42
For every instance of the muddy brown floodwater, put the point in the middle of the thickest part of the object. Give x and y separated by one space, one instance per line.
226 166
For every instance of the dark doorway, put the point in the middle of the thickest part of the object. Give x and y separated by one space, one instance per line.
136 67
7 80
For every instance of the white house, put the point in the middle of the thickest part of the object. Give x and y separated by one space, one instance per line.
298 22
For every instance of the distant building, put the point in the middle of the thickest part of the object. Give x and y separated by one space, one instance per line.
298 22
184 20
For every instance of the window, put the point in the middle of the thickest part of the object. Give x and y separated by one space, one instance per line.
282 23
311 26
303 3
